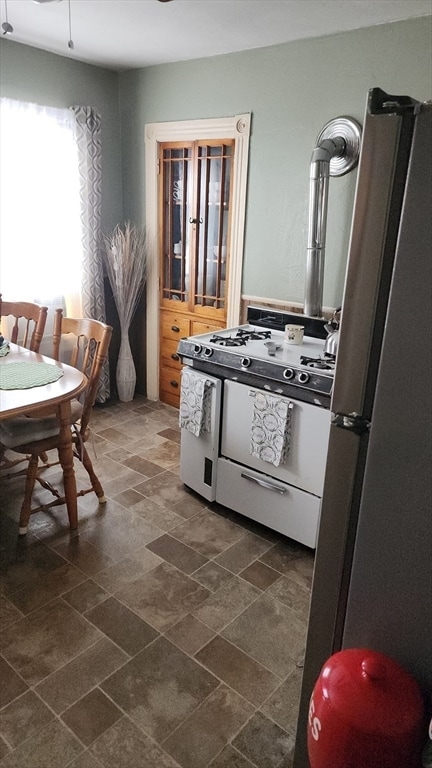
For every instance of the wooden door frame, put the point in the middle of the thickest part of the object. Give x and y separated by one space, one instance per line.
238 128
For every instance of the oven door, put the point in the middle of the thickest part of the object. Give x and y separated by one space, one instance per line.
198 455
304 467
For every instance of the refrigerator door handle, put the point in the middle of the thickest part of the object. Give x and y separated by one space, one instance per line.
353 422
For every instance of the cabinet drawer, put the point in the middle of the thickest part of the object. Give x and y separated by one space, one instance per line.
168 356
204 328
170 380
175 326
260 497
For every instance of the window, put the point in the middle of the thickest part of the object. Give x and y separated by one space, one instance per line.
40 240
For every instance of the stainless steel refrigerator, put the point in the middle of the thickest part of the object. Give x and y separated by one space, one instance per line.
372 576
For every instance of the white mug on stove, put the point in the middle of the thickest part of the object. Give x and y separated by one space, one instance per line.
294 334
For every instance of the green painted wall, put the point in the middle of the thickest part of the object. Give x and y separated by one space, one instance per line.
292 90
57 81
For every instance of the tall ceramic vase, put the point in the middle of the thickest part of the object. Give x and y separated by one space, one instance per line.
125 371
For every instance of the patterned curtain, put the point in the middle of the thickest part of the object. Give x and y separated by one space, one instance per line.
88 136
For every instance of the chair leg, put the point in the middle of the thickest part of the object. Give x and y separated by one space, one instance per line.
32 471
96 485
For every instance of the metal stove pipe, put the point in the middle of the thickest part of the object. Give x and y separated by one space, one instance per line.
339 141
318 198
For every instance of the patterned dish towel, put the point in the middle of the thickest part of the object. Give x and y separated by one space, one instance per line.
195 402
271 428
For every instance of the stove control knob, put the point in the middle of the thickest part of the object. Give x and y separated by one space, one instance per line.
208 352
246 361
303 377
197 348
288 373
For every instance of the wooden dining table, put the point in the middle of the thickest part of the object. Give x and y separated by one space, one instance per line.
55 397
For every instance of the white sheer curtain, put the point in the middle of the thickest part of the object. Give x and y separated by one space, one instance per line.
41 239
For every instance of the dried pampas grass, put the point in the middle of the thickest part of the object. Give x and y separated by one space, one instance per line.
126 265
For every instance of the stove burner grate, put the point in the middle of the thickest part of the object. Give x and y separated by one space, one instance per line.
317 362
252 335
228 341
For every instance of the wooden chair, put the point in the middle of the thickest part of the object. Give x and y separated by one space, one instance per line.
28 322
88 342
27 330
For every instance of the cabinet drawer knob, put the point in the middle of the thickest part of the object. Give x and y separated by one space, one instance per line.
174 383
175 328
175 356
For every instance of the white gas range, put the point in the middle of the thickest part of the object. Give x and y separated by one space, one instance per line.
221 463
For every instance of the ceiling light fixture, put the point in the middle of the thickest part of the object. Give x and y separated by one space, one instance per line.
6 27
70 41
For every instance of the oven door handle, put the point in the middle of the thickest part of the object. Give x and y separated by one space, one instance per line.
264 483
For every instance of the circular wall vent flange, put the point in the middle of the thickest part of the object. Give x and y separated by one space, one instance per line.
350 131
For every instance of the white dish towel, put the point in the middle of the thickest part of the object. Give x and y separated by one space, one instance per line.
195 402
271 428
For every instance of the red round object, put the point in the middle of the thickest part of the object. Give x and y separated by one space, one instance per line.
365 711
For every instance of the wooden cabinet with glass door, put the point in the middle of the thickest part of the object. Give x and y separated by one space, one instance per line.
194 209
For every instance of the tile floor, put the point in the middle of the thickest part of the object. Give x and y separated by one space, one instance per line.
167 633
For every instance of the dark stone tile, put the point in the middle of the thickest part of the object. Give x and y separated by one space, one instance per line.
301 571
159 688
281 555
171 434
45 640
122 626
127 570
163 517
85 596
291 593
63 688
85 760
230 758
165 455
228 602
163 596
128 498
176 553
189 505
207 533
260 575
23 718
84 555
8 613
212 576
51 747
27 563
91 716
164 489
142 466
11 684
202 736
4 749
283 640
46 588
121 534
263 742
190 634
125 746
246 676
243 552
283 704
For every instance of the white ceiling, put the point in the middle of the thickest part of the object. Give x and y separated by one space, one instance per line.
125 34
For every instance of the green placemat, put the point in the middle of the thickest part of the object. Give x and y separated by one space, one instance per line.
27 375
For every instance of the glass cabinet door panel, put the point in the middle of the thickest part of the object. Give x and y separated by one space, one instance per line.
194 195
176 211
214 180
